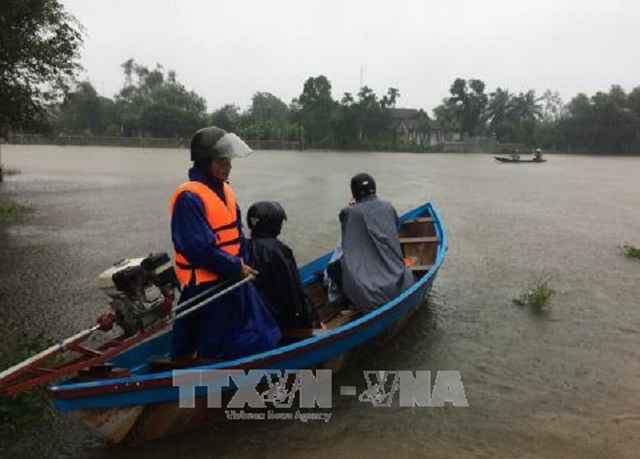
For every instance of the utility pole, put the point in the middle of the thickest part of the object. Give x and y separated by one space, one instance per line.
1 142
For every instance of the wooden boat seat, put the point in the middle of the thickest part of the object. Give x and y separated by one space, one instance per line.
161 363
102 371
418 240
421 268
340 320
302 333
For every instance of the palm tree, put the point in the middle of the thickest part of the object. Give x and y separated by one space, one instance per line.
393 95
498 107
526 107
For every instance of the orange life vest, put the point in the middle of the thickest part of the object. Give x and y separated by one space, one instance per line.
222 219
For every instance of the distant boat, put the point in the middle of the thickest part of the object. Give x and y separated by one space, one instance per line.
132 399
507 159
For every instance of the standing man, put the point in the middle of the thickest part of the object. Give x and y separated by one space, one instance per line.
372 265
206 230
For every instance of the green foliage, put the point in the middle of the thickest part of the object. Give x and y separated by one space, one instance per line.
606 123
157 105
315 109
538 295
630 251
267 107
153 103
227 118
10 211
466 106
83 112
38 59
25 410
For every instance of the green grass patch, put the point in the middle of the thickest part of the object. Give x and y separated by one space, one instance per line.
10 171
21 412
538 295
630 251
11 211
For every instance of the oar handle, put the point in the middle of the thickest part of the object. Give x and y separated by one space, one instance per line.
184 312
218 287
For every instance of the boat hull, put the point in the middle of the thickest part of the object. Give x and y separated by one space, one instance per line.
503 159
143 407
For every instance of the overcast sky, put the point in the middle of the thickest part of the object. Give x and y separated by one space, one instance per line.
228 50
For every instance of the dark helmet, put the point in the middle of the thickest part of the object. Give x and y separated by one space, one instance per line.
213 142
266 217
362 185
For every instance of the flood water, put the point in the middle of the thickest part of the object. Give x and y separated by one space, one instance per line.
564 383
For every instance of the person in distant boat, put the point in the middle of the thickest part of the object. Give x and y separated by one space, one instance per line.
537 155
278 280
210 250
515 155
371 270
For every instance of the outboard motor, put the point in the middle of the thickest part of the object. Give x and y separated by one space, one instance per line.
142 290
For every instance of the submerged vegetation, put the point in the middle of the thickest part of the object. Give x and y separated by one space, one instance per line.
630 251
11 211
538 295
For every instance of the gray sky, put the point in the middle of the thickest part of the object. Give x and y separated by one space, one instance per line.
228 50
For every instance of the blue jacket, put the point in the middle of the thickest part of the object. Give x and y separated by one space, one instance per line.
235 325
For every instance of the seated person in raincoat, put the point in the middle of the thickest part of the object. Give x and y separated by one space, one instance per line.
372 269
278 280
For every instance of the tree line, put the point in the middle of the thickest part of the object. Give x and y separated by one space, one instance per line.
38 93
154 103
605 123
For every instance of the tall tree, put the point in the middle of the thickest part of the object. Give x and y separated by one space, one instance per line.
267 119
525 114
85 112
372 114
497 114
389 100
226 117
466 106
552 106
267 107
617 128
316 110
39 45
158 105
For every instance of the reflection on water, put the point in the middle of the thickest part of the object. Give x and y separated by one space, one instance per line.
560 384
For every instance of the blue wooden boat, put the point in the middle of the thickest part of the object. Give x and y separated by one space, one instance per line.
138 403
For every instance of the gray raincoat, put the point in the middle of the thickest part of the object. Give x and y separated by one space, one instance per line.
373 270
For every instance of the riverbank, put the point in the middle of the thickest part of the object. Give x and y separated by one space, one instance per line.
471 146
136 142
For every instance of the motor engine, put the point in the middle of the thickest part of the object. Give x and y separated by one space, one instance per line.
142 290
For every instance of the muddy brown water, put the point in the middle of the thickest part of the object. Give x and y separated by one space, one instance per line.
565 383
